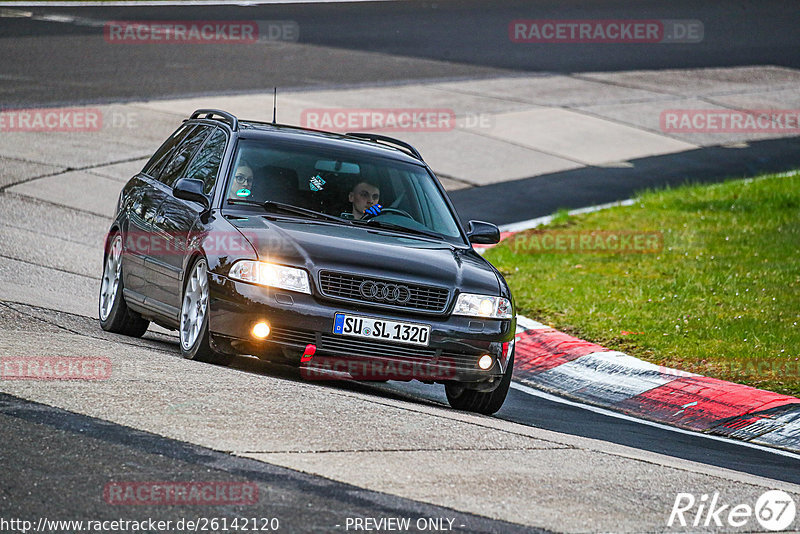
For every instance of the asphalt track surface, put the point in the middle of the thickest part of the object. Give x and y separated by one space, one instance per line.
56 62
83 453
522 408
50 63
591 186
62 458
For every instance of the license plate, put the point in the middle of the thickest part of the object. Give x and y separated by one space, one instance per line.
381 329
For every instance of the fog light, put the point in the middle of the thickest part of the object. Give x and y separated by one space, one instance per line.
485 362
261 330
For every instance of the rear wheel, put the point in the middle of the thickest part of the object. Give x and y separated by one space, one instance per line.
194 318
115 316
485 402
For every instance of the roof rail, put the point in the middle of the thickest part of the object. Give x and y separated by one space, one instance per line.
388 140
230 119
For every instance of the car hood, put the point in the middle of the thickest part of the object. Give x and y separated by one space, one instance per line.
368 251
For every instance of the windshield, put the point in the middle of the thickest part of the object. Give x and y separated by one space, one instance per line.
378 192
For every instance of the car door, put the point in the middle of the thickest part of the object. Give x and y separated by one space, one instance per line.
176 218
143 199
161 275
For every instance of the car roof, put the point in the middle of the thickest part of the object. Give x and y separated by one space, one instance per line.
248 129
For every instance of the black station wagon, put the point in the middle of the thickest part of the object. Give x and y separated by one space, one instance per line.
341 254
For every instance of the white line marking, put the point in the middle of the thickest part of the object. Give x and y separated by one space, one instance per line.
547 396
15 13
539 221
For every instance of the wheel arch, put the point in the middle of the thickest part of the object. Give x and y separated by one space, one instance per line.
112 231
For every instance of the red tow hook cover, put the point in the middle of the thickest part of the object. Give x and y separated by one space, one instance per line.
308 353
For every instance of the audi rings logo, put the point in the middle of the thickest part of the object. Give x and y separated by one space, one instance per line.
384 292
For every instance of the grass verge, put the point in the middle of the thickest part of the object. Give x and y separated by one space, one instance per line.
716 292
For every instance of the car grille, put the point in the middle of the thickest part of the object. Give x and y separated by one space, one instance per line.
292 337
348 286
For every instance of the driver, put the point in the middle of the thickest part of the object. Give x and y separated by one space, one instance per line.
365 197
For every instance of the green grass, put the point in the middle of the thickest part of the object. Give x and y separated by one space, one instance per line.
721 298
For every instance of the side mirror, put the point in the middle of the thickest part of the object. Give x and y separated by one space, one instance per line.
191 189
482 233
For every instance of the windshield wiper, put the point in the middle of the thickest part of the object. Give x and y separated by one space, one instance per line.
405 229
245 202
287 208
297 210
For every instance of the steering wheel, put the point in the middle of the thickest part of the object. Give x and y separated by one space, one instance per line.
397 211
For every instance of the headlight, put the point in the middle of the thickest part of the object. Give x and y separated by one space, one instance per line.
483 306
269 274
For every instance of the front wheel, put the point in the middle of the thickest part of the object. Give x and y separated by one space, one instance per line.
194 318
485 402
113 311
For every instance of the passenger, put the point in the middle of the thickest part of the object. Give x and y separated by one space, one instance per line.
365 197
242 183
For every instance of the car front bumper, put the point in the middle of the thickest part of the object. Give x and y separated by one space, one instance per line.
297 320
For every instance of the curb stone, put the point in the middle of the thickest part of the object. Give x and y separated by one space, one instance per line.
571 367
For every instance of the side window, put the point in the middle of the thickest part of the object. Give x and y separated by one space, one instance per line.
165 150
205 165
182 155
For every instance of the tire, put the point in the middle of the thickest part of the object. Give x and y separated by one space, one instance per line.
193 330
485 402
113 311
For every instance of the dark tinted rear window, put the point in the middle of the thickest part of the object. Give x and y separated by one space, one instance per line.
205 165
182 155
165 150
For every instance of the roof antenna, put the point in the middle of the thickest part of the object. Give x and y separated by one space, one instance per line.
274 103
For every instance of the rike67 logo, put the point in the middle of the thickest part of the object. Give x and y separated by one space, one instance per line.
774 511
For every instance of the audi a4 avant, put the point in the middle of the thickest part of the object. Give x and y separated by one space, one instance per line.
341 254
